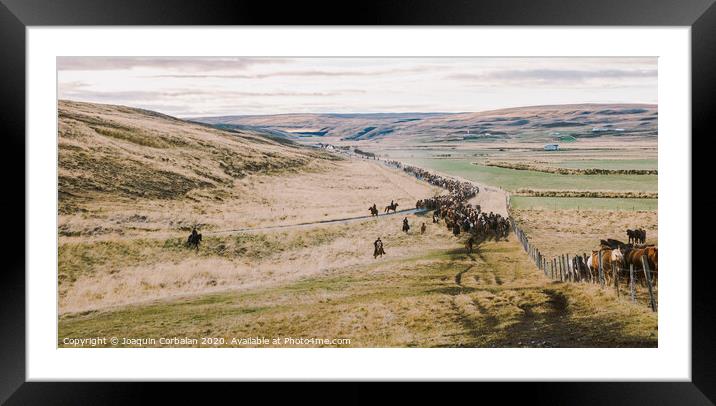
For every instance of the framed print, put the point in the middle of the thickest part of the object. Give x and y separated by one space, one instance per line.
466 193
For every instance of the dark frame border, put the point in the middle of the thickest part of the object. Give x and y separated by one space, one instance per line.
16 15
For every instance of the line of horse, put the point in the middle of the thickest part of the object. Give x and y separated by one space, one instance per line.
621 255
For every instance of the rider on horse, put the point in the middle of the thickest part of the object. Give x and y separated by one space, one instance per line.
378 248
194 239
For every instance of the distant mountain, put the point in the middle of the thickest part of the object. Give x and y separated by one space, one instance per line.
533 122
345 126
115 153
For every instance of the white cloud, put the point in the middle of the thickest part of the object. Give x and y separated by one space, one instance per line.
234 85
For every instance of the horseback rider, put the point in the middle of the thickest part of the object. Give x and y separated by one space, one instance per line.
423 228
194 239
406 226
378 248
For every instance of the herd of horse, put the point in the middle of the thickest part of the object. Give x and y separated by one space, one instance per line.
621 256
460 216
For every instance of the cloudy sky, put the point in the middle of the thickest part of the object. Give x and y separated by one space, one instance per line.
200 86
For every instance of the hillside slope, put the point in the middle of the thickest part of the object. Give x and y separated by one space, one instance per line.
541 122
533 122
345 126
114 153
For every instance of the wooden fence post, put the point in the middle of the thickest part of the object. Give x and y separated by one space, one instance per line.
601 271
571 273
632 288
645 264
584 258
557 272
561 269
539 259
615 274
567 275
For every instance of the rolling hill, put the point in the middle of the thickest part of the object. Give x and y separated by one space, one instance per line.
112 153
534 122
345 126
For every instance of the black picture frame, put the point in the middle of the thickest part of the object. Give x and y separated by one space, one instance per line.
16 15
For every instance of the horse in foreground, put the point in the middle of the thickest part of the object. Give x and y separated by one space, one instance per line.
378 250
194 240
609 257
632 256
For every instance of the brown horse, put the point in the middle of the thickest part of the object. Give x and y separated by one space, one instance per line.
390 207
633 257
609 257
373 210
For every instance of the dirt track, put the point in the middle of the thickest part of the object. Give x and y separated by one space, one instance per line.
314 223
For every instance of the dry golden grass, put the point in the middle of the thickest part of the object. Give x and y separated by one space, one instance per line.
579 231
433 297
119 154
338 190
101 274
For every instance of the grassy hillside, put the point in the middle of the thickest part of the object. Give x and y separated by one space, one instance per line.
539 123
430 297
118 153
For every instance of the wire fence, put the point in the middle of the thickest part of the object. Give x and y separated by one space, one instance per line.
574 268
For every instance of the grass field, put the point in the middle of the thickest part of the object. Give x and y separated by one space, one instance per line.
431 298
563 231
564 203
511 179
323 281
608 164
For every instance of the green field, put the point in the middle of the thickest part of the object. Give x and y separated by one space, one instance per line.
512 179
608 164
562 203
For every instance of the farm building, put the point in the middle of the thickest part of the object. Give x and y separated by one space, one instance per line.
551 147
